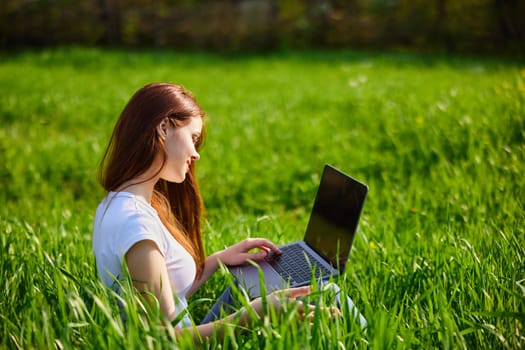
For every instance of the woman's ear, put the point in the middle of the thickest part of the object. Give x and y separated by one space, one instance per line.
162 128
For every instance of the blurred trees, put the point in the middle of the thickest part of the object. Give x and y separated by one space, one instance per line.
229 25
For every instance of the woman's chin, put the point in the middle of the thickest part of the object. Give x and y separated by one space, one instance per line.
176 179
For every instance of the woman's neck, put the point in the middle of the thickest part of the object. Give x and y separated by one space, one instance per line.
140 187
143 185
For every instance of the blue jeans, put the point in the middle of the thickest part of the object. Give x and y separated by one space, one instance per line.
225 305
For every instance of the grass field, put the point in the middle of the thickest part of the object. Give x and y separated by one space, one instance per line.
439 259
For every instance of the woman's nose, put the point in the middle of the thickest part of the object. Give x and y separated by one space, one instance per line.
195 156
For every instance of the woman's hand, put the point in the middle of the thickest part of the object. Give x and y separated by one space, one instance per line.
235 255
277 299
239 253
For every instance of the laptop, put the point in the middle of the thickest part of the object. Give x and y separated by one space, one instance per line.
326 245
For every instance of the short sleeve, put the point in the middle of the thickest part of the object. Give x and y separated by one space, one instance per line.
139 228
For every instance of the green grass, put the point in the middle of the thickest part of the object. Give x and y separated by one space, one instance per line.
439 259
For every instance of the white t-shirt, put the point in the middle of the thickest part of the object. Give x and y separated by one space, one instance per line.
123 219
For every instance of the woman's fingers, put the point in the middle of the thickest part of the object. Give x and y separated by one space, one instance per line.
297 291
261 243
257 256
308 311
305 311
305 308
242 249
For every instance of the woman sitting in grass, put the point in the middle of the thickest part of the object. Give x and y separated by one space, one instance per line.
151 215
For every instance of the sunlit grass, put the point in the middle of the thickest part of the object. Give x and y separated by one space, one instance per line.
438 260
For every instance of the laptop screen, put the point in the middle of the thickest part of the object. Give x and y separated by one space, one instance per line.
335 215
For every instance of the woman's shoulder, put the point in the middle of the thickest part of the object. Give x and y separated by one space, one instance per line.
124 208
123 217
126 202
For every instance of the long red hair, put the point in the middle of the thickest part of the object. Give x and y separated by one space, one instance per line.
132 150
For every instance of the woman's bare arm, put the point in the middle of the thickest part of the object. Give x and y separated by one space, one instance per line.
235 255
148 271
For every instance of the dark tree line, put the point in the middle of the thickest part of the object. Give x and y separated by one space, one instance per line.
494 26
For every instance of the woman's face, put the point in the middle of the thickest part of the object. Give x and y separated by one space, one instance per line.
180 146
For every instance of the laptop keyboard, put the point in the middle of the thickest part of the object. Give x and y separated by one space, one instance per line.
292 264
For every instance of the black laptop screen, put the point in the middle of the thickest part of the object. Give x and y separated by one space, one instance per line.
335 215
